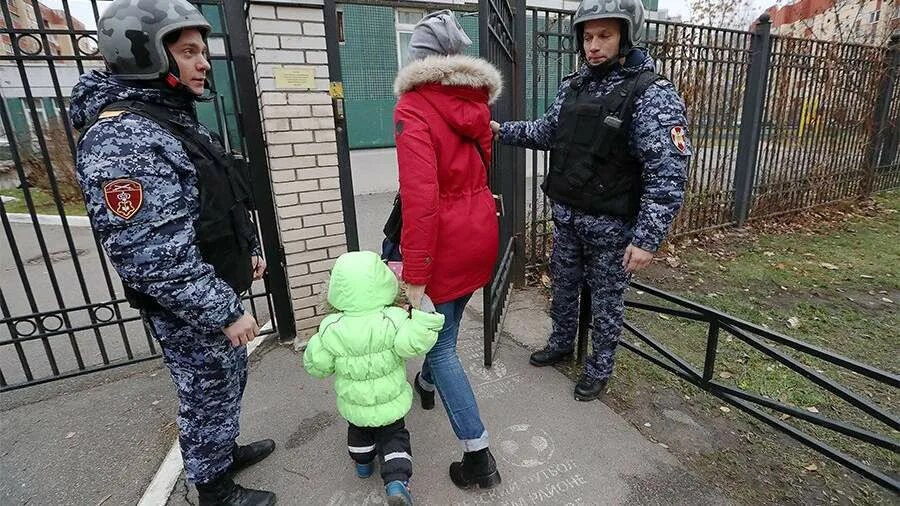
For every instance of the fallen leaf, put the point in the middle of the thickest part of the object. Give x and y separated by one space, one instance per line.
812 409
725 374
687 398
724 409
769 253
830 267
784 417
885 299
770 368
664 445
793 322
545 280
811 467
647 424
70 435
866 276
664 317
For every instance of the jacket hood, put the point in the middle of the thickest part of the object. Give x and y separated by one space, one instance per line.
456 70
458 87
360 281
97 89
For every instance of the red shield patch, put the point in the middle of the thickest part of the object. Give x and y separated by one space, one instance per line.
123 197
679 139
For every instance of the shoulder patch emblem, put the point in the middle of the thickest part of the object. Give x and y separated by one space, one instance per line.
123 197
678 139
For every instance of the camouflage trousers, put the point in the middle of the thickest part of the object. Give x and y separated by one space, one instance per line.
210 377
589 249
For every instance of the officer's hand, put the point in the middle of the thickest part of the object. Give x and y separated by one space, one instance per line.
495 127
259 267
242 331
414 294
636 258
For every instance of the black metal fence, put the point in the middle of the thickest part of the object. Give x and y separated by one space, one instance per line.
63 313
778 124
795 355
500 34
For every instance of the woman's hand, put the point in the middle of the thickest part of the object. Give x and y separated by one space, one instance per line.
495 127
414 294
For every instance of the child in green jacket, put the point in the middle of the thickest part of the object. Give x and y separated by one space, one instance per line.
365 344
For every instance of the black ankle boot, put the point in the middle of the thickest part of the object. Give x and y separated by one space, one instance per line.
224 492
425 396
589 389
477 468
547 356
247 455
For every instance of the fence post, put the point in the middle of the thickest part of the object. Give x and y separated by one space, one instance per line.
751 118
519 211
882 144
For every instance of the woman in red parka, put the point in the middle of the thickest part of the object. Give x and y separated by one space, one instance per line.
450 238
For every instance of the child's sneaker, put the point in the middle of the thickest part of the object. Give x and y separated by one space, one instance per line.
365 470
398 493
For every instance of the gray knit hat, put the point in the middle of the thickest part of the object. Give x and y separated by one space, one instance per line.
438 33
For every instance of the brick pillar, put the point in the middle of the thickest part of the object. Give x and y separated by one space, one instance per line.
288 36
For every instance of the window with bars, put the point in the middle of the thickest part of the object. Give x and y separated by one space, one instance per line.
406 20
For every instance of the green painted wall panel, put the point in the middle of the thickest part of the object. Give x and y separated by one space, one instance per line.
369 63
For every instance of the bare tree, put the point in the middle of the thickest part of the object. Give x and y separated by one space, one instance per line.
723 13
849 21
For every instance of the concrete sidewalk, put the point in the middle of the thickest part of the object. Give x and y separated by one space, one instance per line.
550 449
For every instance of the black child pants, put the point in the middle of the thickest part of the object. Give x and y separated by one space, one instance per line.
390 443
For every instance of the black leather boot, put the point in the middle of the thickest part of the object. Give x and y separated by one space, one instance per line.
477 468
425 396
547 356
247 455
589 389
224 492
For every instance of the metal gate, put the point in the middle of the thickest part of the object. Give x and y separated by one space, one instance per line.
62 308
502 36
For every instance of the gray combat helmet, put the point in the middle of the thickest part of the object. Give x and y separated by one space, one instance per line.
630 11
130 35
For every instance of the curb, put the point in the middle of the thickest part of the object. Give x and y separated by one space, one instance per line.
49 219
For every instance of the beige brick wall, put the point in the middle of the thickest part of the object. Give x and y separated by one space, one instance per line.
299 129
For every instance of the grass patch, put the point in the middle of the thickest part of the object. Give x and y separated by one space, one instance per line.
44 203
830 278
832 284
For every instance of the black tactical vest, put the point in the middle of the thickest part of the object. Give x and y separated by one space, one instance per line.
224 233
591 168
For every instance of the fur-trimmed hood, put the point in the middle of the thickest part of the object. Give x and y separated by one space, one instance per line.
456 70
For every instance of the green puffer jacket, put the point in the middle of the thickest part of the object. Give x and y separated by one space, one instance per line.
366 343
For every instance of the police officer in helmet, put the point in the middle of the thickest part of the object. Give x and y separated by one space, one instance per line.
619 154
171 207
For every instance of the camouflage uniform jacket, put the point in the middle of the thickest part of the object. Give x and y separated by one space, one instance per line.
152 244
657 140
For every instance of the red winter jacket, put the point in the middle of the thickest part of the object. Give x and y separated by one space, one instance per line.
450 237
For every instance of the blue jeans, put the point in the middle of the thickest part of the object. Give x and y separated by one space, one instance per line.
442 369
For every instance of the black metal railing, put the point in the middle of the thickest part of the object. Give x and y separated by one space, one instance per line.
778 124
754 404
